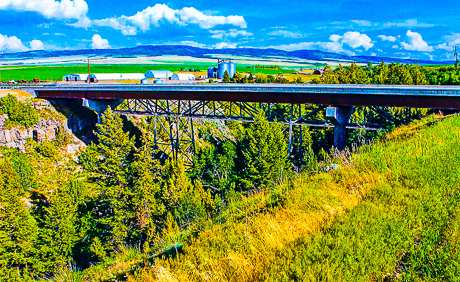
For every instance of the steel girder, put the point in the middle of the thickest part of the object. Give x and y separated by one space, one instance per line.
174 119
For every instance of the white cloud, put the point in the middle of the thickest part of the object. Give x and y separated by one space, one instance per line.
416 43
51 9
223 45
99 43
450 42
362 22
36 45
387 38
407 23
286 34
335 37
161 13
354 39
11 44
232 33
335 47
351 38
83 22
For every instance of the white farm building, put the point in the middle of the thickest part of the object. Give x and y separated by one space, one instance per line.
95 77
75 77
183 76
162 74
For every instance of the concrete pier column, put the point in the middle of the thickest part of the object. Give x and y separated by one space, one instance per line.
340 117
100 105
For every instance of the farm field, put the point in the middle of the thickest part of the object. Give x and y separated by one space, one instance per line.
55 73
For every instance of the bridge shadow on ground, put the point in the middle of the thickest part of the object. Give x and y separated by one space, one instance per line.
82 121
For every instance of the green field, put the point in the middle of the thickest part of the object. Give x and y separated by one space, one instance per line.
55 73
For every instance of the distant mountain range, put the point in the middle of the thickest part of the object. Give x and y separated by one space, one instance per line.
180 50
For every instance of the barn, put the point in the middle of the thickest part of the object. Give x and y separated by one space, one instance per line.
75 77
318 72
96 77
163 74
183 76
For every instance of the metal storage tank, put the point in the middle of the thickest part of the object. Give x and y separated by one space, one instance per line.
163 74
223 66
232 71
211 71
183 76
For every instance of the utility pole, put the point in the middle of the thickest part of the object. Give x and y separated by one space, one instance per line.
456 56
89 73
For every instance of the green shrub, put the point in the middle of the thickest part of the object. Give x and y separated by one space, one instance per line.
47 149
19 113
62 138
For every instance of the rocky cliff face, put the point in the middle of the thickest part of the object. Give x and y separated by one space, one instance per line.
46 129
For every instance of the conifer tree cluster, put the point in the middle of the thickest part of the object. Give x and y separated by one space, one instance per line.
124 195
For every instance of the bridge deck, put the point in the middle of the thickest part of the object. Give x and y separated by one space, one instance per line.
443 97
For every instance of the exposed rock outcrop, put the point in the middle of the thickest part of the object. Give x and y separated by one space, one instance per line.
47 128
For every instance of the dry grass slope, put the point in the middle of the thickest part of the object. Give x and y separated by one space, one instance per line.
385 215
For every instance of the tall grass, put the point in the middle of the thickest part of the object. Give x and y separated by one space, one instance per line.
390 213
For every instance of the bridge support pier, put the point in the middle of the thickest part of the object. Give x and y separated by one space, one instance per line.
340 117
100 105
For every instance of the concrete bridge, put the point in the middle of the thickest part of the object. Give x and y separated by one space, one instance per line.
198 101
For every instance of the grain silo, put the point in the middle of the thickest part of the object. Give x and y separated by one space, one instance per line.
232 67
223 67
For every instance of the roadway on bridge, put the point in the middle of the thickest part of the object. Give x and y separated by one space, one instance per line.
442 97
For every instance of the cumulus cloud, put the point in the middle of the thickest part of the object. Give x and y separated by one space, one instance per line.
335 47
223 45
232 33
286 34
99 43
336 44
36 45
11 44
355 39
416 43
51 9
161 13
450 42
387 38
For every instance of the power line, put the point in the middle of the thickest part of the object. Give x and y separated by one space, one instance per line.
456 55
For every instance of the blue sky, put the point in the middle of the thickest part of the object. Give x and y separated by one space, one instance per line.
417 29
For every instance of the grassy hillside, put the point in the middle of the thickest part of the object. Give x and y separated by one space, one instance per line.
388 212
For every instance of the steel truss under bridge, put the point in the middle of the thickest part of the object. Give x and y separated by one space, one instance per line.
174 120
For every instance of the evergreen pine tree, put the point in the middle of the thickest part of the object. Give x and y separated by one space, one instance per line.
226 77
110 161
251 78
60 232
147 186
19 251
265 153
